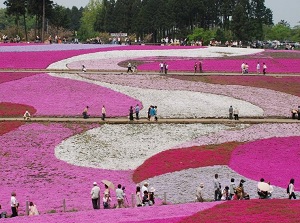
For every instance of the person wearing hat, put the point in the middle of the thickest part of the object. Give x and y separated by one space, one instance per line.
199 193
95 194
151 196
26 116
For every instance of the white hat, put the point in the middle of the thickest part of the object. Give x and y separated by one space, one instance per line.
146 183
152 189
95 183
201 185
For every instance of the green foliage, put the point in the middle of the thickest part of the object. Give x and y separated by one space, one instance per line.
201 34
88 19
279 32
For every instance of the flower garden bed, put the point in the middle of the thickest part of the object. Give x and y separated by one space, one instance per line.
289 85
46 163
250 211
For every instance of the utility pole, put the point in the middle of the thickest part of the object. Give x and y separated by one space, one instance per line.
43 21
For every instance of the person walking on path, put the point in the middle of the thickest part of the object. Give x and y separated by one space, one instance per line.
129 67
95 194
217 188
161 67
103 113
137 112
236 114
14 204
230 112
195 67
258 68
291 189
264 68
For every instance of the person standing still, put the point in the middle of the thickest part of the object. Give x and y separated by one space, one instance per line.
137 112
236 114
166 67
95 194
103 113
217 188
120 196
131 113
14 204
161 67
195 68
230 112
200 67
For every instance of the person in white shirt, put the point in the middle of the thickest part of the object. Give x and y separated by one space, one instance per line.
14 205
292 189
120 196
236 114
258 68
33 209
264 68
145 187
95 194
26 116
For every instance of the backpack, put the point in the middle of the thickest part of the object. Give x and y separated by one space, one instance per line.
288 189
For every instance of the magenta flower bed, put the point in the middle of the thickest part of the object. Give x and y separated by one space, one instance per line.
252 211
6 77
52 96
154 214
278 66
276 160
29 167
42 59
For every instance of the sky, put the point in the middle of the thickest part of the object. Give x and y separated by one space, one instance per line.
282 10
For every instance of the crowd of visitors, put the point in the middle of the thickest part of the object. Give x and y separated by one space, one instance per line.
245 68
237 192
143 196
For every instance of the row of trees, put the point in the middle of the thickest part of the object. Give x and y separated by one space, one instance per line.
30 13
244 20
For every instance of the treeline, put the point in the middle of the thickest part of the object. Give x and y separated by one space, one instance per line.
239 19
242 20
25 18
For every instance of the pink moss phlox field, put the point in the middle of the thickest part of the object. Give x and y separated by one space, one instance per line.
155 214
16 58
30 168
250 211
272 102
277 66
275 159
6 77
52 96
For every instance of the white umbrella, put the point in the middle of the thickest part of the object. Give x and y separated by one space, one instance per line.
264 186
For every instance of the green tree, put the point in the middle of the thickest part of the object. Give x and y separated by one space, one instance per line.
279 32
88 19
240 21
17 8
